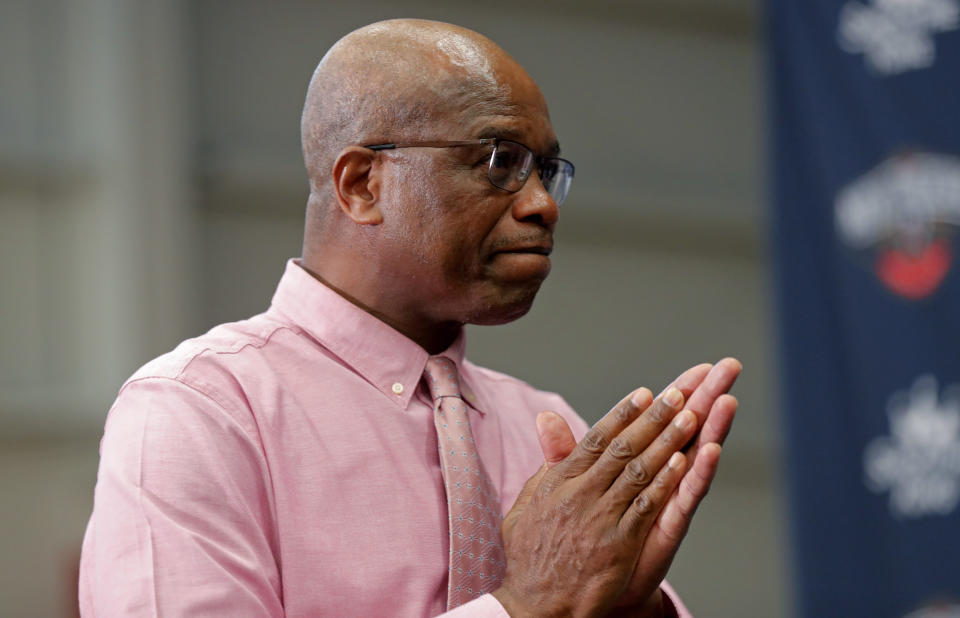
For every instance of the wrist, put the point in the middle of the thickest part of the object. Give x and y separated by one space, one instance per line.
521 606
655 606
510 603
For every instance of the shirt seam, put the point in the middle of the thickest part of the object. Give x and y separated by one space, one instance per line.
180 374
143 515
262 339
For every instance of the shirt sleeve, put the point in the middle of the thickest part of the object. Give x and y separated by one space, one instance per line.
183 519
673 606
487 606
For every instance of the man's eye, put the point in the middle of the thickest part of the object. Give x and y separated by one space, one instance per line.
502 160
484 158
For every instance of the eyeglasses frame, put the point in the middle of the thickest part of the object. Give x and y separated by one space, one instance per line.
537 159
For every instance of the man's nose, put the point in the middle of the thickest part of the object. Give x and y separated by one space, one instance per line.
533 203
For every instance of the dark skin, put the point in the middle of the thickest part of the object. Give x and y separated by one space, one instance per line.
421 239
429 225
703 387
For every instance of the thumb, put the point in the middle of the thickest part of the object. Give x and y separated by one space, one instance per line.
555 436
556 442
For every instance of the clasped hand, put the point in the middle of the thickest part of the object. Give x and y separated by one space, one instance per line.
597 527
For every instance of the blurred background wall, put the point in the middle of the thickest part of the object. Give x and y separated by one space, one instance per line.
151 187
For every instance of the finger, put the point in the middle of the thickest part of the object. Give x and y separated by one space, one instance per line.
664 538
718 381
719 420
639 472
555 436
646 506
678 513
595 442
689 380
717 425
633 440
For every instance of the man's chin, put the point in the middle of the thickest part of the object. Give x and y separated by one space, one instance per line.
518 268
507 307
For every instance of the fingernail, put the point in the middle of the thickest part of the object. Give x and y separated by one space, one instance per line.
685 420
673 397
639 398
675 460
544 419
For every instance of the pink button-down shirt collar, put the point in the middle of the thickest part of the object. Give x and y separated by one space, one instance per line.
359 339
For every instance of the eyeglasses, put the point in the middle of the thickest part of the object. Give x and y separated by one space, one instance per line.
510 164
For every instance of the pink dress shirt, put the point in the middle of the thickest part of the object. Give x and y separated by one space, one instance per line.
287 465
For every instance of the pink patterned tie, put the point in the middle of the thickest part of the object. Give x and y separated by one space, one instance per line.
477 562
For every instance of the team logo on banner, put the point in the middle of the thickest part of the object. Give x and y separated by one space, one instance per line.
896 35
903 215
919 462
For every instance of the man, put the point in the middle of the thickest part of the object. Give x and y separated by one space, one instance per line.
337 455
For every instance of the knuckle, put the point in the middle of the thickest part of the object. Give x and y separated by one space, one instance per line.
620 448
637 472
593 443
549 484
566 505
643 505
625 412
657 414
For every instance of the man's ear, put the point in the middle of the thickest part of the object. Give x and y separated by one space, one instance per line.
356 180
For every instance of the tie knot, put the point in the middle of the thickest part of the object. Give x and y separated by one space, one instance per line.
441 374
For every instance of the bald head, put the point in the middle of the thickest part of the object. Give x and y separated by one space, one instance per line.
421 236
392 81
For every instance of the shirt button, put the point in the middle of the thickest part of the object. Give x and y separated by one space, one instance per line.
397 388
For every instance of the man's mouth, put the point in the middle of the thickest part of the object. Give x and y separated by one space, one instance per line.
536 249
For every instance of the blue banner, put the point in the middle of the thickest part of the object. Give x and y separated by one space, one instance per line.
865 151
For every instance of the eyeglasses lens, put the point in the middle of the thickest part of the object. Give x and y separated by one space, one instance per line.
556 176
512 163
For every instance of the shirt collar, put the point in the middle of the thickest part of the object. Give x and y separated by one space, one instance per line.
384 357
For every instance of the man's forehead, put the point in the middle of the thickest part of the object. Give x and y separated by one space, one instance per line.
527 124
541 142
489 91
